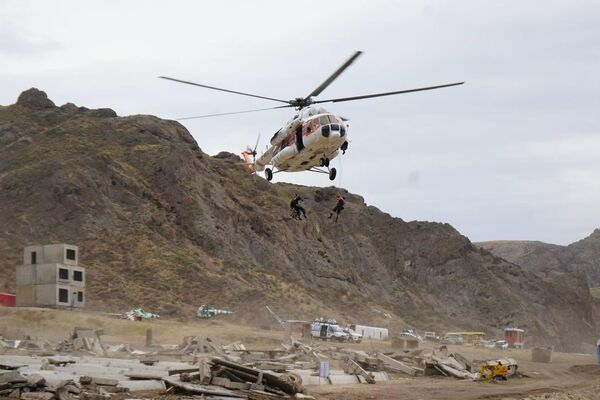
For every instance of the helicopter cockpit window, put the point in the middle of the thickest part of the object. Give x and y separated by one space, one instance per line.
323 120
333 119
307 127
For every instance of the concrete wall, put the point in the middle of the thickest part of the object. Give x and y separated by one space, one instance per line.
25 296
47 295
24 275
51 254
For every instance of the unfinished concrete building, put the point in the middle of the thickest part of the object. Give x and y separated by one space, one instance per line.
51 277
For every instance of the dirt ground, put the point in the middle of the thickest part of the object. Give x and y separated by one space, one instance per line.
568 373
569 376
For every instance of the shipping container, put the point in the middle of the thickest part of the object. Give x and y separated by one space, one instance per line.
7 299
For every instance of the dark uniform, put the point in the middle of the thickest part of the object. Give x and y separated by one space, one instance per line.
297 208
338 207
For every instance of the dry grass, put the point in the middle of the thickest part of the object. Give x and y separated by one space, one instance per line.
55 325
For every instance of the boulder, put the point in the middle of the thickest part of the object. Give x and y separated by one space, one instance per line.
35 99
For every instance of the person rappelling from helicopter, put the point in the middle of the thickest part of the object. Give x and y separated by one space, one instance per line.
297 209
339 206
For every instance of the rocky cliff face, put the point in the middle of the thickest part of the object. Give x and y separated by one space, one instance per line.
162 225
549 260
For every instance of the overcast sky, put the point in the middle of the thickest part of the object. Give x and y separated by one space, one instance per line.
512 154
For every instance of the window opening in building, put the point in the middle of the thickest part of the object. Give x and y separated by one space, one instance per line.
78 276
70 254
33 257
63 295
80 297
63 274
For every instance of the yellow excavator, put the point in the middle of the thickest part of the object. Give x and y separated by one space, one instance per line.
496 373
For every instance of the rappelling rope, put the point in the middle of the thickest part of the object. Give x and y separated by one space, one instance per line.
340 172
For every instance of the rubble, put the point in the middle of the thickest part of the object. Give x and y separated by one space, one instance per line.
27 343
221 371
542 354
83 340
138 314
207 311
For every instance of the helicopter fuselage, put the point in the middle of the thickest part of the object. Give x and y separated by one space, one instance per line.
305 141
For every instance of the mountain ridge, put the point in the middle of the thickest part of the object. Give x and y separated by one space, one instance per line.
547 260
162 225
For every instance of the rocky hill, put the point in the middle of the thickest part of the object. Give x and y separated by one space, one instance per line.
548 260
162 225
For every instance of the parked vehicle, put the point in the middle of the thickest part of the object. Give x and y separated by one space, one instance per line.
328 330
515 337
470 338
354 337
431 336
410 333
452 339
495 344
370 332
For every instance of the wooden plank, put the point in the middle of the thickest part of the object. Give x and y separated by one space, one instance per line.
269 378
396 365
202 389
177 371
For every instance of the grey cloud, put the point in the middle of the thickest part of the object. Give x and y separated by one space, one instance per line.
14 42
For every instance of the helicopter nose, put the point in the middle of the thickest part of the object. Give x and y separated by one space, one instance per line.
336 130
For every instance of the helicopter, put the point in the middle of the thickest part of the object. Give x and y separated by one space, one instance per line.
312 138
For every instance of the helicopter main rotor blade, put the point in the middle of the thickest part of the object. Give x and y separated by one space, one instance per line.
223 90
256 144
231 113
368 96
333 76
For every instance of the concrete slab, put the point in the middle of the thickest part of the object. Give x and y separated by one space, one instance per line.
142 385
343 379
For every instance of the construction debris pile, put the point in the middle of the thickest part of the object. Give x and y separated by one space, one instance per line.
221 377
67 378
83 340
423 362
32 346
78 368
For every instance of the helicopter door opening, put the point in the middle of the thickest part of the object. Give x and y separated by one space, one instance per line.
323 331
299 139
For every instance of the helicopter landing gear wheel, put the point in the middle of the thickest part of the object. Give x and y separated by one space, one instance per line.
324 162
332 174
268 174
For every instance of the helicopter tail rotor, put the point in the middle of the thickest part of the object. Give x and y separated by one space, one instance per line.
249 161
249 156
